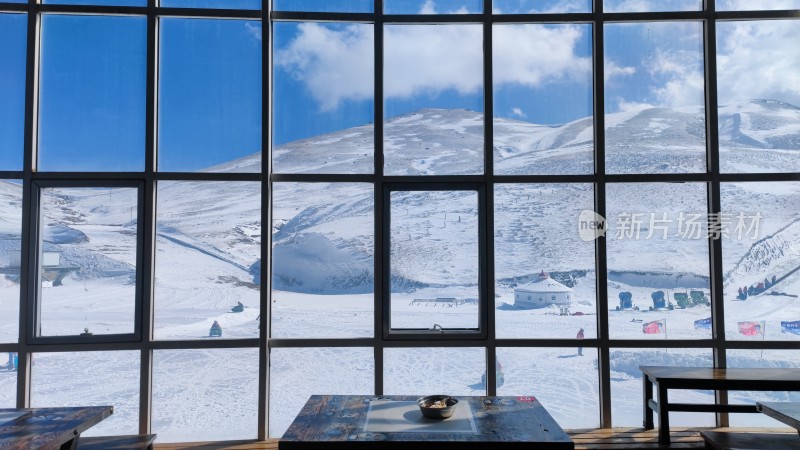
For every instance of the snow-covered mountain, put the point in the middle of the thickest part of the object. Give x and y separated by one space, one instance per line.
322 233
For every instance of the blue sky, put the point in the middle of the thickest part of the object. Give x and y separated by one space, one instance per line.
92 102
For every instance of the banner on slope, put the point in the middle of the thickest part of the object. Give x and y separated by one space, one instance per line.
751 328
790 327
655 327
702 324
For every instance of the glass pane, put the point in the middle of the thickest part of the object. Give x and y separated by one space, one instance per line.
209 109
434 259
92 93
87 261
97 2
205 395
654 104
8 382
429 371
759 255
768 359
323 98
298 373
322 260
744 5
651 5
544 263
430 7
543 121
433 97
13 38
351 6
626 385
759 96
658 274
90 379
208 247
221 4
540 6
10 259
565 382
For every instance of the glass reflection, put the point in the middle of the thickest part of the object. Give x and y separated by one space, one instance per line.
13 32
540 6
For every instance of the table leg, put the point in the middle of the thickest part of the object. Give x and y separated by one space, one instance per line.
663 415
72 444
647 395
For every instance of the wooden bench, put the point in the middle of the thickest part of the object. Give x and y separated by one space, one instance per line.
133 442
726 440
706 378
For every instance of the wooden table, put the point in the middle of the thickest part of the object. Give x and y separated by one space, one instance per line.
786 412
706 378
47 428
353 422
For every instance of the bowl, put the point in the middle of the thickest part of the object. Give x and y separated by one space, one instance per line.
437 406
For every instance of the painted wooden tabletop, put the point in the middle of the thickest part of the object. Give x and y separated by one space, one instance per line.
338 421
47 428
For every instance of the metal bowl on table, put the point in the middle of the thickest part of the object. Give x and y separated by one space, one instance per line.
437 406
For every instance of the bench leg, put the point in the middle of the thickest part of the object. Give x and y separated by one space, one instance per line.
663 416
72 444
647 413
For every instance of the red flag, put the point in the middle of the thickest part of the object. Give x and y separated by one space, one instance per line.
654 327
750 328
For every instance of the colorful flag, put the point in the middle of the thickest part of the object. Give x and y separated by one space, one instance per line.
702 324
751 328
790 327
654 327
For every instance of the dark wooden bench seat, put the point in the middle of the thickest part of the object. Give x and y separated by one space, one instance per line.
727 440
133 442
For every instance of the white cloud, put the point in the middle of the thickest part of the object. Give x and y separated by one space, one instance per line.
533 55
335 64
432 58
758 60
518 112
612 70
253 30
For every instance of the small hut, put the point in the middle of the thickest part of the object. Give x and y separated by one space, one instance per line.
541 292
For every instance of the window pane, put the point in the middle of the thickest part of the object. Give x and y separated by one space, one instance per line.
13 38
97 2
759 96
221 4
744 5
298 373
654 104
354 6
87 261
761 358
92 93
8 384
433 97
90 379
651 5
558 377
658 274
544 265
434 259
208 246
429 7
626 385
455 371
209 109
323 98
10 258
205 395
540 6
543 99
760 258
322 260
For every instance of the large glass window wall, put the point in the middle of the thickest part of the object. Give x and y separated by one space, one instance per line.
521 189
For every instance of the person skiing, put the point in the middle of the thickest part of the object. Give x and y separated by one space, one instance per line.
216 329
580 336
